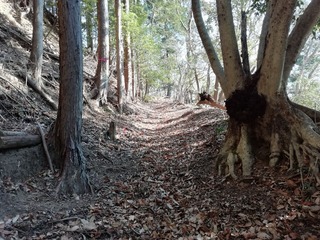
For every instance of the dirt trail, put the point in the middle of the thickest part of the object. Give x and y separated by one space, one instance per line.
156 182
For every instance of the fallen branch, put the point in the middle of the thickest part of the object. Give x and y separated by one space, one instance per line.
33 85
27 98
12 133
45 147
208 100
7 142
3 118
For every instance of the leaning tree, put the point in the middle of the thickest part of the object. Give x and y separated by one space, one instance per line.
263 122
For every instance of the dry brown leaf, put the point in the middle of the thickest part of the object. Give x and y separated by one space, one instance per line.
263 235
294 235
291 184
73 228
279 207
249 235
297 191
315 208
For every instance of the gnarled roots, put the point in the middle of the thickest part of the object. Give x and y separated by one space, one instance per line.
288 135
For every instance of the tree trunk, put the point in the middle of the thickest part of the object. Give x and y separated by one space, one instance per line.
169 90
263 123
89 30
23 8
133 75
208 81
101 79
216 91
196 77
35 62
67 131
119 54
127 54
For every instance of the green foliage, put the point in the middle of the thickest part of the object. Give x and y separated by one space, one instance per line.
133 21
88 9
88 6
153 27
259 6
148 98
50 3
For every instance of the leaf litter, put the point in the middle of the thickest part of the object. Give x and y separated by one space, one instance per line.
157 181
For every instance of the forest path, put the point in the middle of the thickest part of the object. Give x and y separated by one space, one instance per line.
156 181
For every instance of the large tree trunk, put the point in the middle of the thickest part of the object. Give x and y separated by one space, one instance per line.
283 132
263 123
74 178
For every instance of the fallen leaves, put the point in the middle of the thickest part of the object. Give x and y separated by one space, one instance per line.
171 193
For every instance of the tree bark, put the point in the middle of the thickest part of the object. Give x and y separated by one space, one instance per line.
275 48
133 74
206 41
35 62
209 82
119 54
230 52
196 78
67 130
216 91
263 34
89 29
127 54
299 35
101 79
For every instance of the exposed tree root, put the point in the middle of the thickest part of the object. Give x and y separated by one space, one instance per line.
312 113
74 178
244 150
231 160
293 135
274 149
306 142
227 156
237 149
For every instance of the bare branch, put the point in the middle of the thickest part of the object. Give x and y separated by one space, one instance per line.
230 51
263 35
299 36
275 47
206 41
244 45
